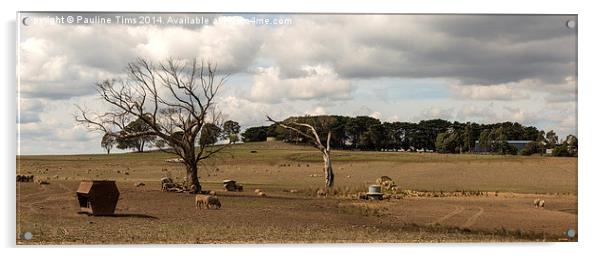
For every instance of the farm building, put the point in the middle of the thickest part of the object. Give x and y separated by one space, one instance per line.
519 144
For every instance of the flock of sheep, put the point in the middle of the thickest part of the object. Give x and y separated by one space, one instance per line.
211 201
207 202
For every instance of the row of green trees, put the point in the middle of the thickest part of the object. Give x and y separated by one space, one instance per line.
210 134
367 133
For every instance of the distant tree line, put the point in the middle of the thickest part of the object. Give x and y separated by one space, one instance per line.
367 133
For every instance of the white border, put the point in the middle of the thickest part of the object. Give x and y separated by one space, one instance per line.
589 118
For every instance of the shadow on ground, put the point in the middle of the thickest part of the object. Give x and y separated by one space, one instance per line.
123 215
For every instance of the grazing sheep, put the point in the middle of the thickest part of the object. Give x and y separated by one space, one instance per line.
538 203
24 178
139 184
262 194
166 180
293 191
175 160
321 192
383 179
207 202
362 196
165 186
43 182
257 191
214 202
201 201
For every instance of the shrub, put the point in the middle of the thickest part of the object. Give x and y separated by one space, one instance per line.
531 148
561 151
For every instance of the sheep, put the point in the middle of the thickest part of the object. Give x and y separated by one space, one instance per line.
165 186
262 194
166 183
321 192
362 196
538 203
382 179
214 202
42 182
24 178
257 191
201 201
207 202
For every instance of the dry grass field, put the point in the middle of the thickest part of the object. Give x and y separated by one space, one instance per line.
504 212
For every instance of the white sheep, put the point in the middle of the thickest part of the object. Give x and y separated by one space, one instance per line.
321 192
538 203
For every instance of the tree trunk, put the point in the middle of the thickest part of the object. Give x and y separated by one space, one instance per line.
328 173
192 178
141 146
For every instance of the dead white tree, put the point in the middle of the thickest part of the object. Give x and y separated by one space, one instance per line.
175 98
314 139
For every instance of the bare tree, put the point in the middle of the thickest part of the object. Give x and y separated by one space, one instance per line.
175 98
313 137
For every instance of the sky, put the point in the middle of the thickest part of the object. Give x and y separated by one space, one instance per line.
477 68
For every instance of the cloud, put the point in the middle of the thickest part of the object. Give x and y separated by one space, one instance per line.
60 62
366 111
317 82
505 92
436 113
29 110
473 113
230 42
562 92
414 46
317 111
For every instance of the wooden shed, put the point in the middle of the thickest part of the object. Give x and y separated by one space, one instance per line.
98 197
